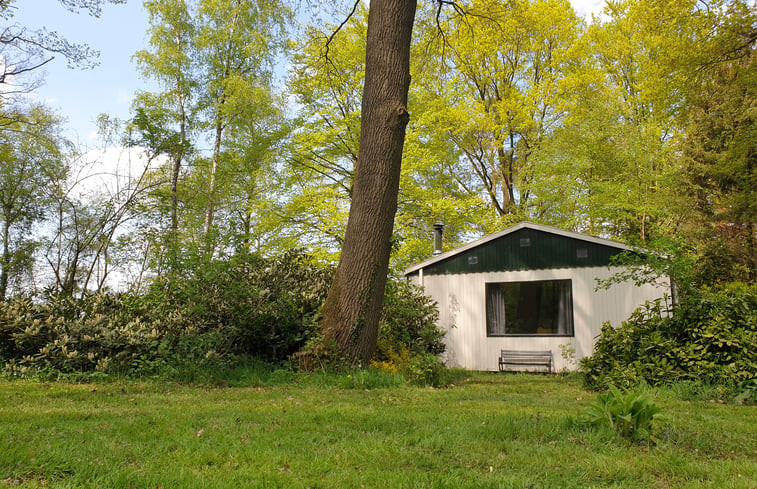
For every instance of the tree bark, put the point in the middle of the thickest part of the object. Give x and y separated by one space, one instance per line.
213 170
352 309
5 258
178 157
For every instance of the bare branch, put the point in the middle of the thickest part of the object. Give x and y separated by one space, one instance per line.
339 27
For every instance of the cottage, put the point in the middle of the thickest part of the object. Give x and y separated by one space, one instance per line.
527 288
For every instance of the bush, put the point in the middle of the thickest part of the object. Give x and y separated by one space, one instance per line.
408 320
410 341
746 392
210 315
72 335
206 317
266 308
710 337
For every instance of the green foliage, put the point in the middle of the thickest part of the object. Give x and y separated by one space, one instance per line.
245 305
747 392
629 414
410 341
409 320
32 168
709 337
211 314
92 334
266 308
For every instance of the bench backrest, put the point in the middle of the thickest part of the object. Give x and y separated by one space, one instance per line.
524 354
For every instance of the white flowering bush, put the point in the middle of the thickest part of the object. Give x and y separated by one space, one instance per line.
204 315
68 335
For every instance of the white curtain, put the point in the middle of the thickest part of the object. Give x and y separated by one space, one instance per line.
564 307
495 310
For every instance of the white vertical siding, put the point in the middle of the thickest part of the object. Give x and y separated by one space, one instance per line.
462 313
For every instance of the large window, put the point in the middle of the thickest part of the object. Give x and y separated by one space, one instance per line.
543 307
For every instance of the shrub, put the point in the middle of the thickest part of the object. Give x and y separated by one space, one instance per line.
410 341
70 335
209 315
710 337
746 392
206 317
408 320
266 308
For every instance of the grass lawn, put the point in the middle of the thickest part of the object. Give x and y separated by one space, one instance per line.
488 430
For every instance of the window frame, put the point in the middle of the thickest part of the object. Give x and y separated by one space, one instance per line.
569 317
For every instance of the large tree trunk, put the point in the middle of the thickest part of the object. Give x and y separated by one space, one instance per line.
352 308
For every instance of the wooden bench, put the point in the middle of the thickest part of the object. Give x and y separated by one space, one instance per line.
525 358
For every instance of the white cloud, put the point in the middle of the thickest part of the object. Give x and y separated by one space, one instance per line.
107 173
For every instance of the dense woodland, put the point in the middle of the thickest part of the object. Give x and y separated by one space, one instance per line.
638 125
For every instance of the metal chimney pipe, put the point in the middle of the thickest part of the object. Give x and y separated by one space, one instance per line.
438 230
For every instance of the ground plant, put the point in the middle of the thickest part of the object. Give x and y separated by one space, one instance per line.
630 414
282 428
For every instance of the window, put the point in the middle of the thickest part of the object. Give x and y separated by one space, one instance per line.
543 307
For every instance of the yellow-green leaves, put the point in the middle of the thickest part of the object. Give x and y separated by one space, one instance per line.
497 90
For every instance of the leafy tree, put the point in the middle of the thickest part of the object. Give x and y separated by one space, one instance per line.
496 90
719 153
317 181
237 43
327 79
611 167
32 165
163 119
214 59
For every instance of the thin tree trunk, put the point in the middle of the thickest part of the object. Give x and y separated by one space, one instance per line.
213 170
352 308
5 260
178 157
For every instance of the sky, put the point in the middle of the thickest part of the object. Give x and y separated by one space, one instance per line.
81 95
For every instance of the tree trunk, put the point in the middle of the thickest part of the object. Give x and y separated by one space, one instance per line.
178 157
5 259
213 170
352 308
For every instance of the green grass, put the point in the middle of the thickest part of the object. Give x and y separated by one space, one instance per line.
302 431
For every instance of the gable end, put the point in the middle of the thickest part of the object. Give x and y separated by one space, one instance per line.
526 249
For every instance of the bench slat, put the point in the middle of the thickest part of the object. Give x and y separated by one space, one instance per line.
525 358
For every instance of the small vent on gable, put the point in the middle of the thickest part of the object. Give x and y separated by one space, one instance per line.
472 260
525 242
582 253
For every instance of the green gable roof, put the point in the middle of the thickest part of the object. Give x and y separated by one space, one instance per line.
525 246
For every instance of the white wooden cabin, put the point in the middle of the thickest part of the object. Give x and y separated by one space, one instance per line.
529 287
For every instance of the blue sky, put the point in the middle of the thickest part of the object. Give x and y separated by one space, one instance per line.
81 95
